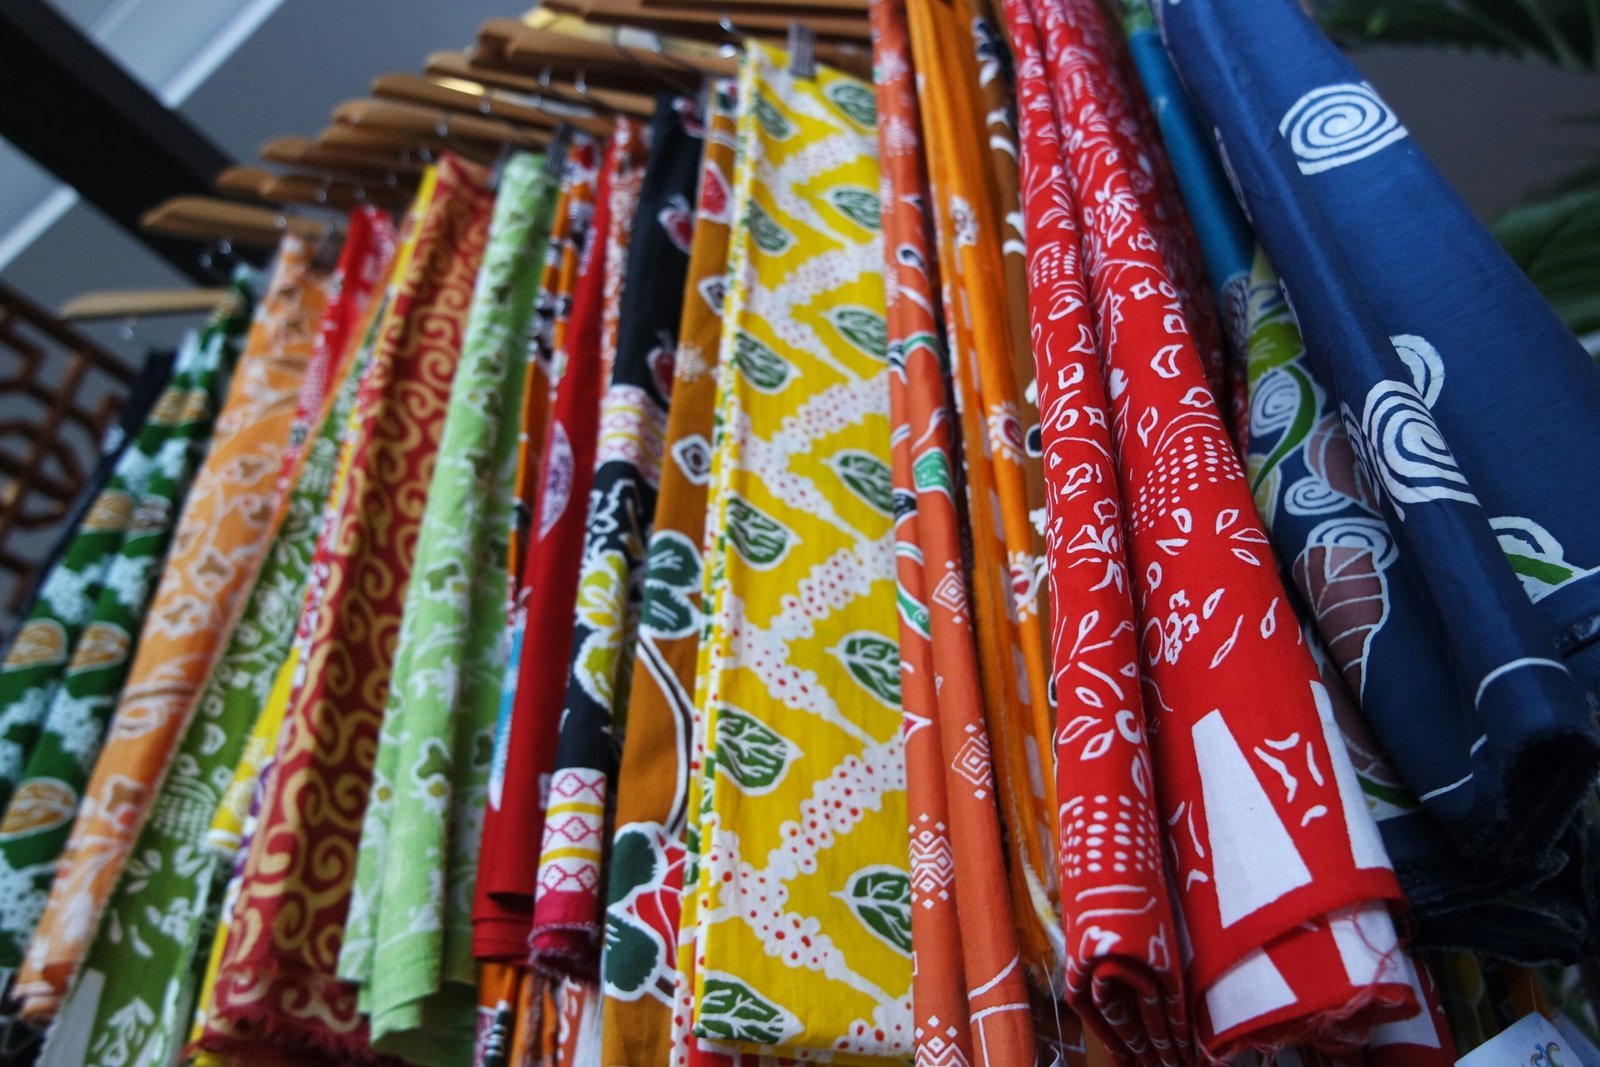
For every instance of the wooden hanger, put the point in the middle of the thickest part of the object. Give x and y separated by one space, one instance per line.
714 18
243 181
597 51
372 139
414 89
433 122
149 303
567 87
207 218
307 154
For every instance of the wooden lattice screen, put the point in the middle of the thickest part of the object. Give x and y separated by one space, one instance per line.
59 393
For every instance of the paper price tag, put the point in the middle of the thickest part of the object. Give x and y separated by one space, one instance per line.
1532 1041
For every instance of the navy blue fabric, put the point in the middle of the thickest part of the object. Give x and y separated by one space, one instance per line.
1474 417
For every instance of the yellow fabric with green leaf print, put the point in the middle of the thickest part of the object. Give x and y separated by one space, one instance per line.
797 904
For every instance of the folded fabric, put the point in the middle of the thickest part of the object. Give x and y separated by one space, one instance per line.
644 882
277 992
568 919
31 674
1124 969
134 515
150 384
1414 447
801 909
958 860
572 831
1005 482
553 476
139 974
1280 874
228 521
408 934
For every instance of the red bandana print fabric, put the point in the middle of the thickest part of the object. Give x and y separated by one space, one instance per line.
1276 867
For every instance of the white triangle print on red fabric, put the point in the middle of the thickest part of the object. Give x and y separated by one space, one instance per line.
1253 859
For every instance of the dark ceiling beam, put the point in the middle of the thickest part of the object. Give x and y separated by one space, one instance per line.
82 117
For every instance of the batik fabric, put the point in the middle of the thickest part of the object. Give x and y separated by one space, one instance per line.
1279 873
220 543
1454 384
542 622
137 509
277 987
409 933
139 976
633 423
645 872
968 990
32 671
802 899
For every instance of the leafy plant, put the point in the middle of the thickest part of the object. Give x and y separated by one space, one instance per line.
1554 234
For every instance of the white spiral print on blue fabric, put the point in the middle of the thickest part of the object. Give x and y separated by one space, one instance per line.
1334 125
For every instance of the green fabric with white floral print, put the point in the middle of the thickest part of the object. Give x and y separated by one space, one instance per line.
131 523
148 948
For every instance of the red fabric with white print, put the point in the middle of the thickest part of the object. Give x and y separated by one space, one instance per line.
1123 971
1273 859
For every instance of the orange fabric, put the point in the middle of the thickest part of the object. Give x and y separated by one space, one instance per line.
227 526
1005 487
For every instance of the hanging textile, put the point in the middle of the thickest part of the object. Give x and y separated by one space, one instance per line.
1280 873
138 978
957 860
420 837
219 545
1132 997
277 986
31 673
1416 318
238 813
564 929
633 424
1226 242
503 910
801 910
645 876
1300 454
137 510
992 390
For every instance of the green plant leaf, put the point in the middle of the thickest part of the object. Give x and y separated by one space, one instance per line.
751 753
867 476
757 536
880 897
730 1009
1556 241
1565 33
874 662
